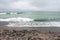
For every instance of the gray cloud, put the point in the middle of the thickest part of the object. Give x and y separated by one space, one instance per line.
42 5
47 4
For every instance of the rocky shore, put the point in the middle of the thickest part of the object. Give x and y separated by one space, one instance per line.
6 34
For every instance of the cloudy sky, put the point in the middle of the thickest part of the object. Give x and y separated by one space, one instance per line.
41 5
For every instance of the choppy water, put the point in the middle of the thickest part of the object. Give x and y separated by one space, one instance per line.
47 18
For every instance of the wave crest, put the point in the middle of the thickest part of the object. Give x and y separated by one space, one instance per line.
12 13
17 19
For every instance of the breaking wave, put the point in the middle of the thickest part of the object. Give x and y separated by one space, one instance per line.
28 22
19 19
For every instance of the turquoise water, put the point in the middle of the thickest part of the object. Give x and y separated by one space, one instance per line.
30 19
38 16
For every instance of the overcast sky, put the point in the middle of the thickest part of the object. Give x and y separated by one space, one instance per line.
41 5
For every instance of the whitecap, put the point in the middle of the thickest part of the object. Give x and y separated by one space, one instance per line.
17 19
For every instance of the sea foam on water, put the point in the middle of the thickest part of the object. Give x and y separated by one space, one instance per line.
17 19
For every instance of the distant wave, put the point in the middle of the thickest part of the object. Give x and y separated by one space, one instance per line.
2 13
13 13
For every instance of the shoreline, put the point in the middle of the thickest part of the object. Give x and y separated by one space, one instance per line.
42 29
28 33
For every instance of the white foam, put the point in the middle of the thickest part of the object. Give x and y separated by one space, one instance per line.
34 24
9 13
17 19
2 13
